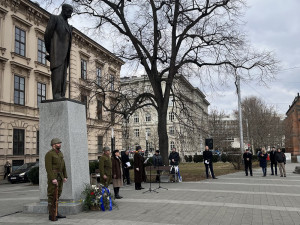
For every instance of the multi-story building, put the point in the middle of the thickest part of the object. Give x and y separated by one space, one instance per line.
25 82
187 118
224 131
292 128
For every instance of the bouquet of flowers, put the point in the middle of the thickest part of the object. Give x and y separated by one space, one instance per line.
97 197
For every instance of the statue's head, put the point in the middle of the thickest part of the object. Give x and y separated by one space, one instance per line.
66 11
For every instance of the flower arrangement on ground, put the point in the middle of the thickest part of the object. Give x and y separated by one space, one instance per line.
97 197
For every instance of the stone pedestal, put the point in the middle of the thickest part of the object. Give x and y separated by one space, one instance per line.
66 120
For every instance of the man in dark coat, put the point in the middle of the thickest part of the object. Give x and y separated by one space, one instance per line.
273 161
174 157
281 159
58 36
7 167
126 166
208 158
174 161
139 170
56 173
157 162
247 156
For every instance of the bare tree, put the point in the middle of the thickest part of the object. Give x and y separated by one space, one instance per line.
193 38
222 130
264 125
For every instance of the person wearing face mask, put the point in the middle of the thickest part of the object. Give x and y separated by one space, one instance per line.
56 173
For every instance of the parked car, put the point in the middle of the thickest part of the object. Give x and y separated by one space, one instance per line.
20 174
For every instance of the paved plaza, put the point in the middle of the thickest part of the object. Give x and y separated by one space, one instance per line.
231 199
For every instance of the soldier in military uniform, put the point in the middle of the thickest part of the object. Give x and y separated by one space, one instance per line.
56 172
105 167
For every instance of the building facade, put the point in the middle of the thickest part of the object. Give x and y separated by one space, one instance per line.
292 128
25 82
187 118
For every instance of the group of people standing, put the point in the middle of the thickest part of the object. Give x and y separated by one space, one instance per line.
275 157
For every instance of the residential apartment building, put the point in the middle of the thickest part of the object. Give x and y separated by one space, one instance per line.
25 82
187 118
292 128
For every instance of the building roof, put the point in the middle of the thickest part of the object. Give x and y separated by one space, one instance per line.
294 103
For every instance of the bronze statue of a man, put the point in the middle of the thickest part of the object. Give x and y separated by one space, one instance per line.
58 36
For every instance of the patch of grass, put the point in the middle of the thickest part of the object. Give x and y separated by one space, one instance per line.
196 171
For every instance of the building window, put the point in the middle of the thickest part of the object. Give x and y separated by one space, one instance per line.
84 101
172 145
41 52
20 40
112 82
37 142
136 118
18 141
100 144
137 132
99 110
171 130
19 90
171 101
41 93
148 117
98 74
83 69
171 116
148 132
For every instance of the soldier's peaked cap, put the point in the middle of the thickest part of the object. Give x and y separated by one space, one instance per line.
55 141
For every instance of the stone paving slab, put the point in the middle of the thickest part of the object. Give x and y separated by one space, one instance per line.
232 199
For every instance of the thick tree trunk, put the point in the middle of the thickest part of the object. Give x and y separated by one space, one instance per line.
163 135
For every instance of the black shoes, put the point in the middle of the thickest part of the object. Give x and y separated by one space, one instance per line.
215 178
118 197
59 216
50 218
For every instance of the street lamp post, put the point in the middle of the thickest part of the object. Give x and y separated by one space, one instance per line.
112 140
146 144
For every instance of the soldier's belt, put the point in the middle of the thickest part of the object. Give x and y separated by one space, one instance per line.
56 171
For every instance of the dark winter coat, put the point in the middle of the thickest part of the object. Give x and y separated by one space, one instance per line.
175 156
125 159
207 155
247 155
157 160
116 167
138 162
273 156
263 160
280 157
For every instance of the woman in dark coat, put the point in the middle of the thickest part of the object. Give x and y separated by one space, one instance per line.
263 161
139 171
117 173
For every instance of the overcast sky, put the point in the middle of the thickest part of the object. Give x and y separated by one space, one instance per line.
273 25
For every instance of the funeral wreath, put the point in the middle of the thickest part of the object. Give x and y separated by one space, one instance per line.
97 197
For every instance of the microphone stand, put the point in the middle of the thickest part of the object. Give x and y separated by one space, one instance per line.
150 190
159 180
